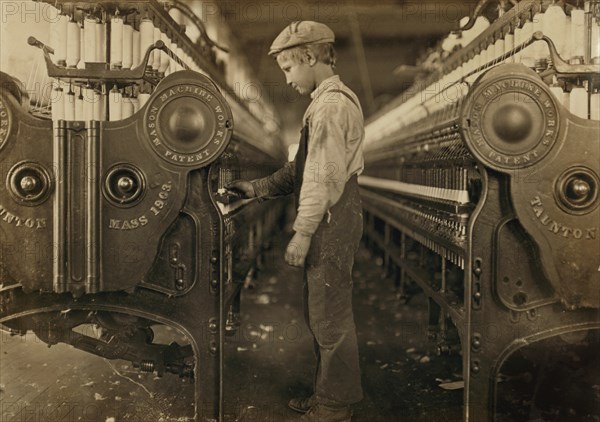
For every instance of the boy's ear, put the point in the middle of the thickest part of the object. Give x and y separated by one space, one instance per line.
310 57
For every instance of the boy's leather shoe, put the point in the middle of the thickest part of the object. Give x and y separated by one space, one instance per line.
302 404
322 413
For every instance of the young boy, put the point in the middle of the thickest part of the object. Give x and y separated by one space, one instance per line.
328 226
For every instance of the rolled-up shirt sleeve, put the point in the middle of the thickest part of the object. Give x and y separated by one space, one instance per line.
325 172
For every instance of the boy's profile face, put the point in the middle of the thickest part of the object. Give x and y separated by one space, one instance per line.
298 74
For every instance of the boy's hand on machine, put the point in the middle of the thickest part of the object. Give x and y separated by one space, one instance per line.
243 187
297 249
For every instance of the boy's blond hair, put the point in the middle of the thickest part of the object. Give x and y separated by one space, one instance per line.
324 53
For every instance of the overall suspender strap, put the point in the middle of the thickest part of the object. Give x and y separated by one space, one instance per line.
301 161
346 95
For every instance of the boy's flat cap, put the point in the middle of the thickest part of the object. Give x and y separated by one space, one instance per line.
301 33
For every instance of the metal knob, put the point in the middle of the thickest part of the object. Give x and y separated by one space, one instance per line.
125 184
578 189
29 184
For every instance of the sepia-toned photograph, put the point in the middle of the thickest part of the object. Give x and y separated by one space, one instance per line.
307 210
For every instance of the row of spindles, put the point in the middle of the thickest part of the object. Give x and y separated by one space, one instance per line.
453 228
568 33
76 43
443 183
120 43
88 103
115 39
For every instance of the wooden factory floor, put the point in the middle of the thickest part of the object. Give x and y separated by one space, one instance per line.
268 362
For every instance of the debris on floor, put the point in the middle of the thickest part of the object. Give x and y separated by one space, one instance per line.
452 385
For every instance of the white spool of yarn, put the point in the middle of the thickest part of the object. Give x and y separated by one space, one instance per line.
577 35
127 46
555 24
146 40
115 104
97 107
135 53
578 102
58 103
527 57
89 40
509 44
127 110
156 63
73 44
70 106
116 42
101 42
58 39
88 103
595 105
143 99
